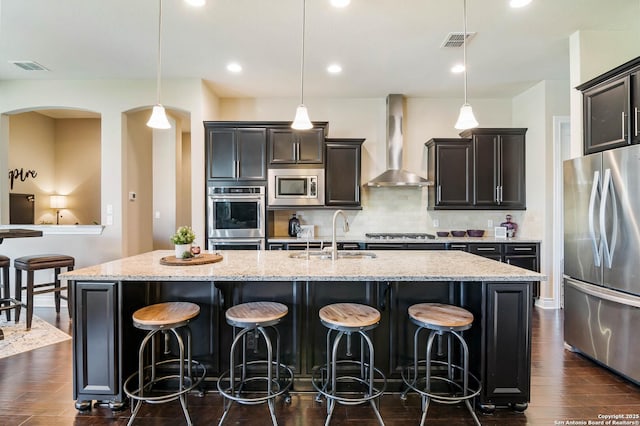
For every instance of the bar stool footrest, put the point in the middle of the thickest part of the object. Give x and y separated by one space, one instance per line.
320 383
412 381
281 385
193 381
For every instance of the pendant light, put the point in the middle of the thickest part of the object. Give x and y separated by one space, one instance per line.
301 120
466 119
158 118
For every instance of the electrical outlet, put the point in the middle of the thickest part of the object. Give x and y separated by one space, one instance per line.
436 223
490 223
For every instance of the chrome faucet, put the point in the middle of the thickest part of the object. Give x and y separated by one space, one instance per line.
334 245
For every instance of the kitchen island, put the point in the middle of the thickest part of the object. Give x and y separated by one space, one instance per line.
105 341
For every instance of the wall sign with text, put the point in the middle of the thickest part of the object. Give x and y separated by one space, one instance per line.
21 174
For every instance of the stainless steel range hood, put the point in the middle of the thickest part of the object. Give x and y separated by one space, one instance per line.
395 175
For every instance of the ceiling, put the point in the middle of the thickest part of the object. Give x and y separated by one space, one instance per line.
384 46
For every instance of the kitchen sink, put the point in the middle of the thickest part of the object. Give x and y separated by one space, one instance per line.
327 255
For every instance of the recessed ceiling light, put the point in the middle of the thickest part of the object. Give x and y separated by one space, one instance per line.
519 3
334 69
234 67
196 3
457 68
340 3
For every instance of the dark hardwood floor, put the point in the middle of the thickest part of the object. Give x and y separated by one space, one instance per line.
35 389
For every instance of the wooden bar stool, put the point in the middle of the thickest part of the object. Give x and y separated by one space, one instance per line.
165 317
347 319
441 320
237 384
29 264
6 301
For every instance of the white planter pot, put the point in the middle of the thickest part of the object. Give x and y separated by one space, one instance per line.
182 248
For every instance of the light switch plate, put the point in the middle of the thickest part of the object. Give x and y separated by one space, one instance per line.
500 232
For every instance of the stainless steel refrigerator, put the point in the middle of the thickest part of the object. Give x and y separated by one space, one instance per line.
602 258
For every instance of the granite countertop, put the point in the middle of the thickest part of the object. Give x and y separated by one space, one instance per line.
363 239
241 265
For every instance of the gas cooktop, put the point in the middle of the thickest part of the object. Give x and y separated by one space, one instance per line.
399 236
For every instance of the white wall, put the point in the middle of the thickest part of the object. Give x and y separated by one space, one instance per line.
110 99
535 109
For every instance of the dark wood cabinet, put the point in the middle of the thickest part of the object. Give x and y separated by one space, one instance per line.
506 367
635 107
96 351
611 108
342 172
491 251
289 146
450 167
499 160
606 115
236 153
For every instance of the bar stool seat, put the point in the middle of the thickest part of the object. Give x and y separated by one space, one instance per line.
165 317
441 320
347 319
32 263
6 301
236 384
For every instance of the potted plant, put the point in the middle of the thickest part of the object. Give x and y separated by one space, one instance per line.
183 238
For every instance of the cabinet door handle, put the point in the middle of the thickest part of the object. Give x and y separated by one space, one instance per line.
439 196
486 249
522 249
636 120
501 194
297 151
237 170
497 194
623 114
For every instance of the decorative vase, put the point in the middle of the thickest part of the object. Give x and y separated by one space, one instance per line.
180 249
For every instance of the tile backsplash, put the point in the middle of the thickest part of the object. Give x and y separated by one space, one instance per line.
398 210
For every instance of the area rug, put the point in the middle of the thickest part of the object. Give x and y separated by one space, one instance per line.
17 339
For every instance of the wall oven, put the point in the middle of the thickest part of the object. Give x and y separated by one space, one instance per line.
296 187
235 213
236 244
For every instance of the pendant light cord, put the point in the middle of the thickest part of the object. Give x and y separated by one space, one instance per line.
302 59
464 46
159 59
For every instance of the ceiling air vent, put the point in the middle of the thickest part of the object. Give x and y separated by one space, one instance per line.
29 65
456 39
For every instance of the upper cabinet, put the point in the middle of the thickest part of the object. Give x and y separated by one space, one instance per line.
235 153
289 146
451 169
499 167
342 172
483 170
611 108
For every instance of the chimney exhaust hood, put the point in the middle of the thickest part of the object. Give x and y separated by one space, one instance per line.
395 175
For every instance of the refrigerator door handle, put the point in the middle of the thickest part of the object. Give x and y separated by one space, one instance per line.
604 293
596 248
608 249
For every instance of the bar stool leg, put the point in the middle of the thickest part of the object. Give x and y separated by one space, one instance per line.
331 402
371 374
7 293
29 299
270 401
18 291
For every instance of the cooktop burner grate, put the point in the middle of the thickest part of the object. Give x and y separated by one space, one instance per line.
400 236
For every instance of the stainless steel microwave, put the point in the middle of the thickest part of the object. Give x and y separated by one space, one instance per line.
296 187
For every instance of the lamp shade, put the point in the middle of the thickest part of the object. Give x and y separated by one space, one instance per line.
301 121
58 202
466 119
158 119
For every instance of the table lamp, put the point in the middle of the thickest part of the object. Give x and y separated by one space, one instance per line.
58 202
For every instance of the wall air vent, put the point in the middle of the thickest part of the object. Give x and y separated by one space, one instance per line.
456 39
29 65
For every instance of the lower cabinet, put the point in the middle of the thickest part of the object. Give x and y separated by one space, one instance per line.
95 334
506 368
105 342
